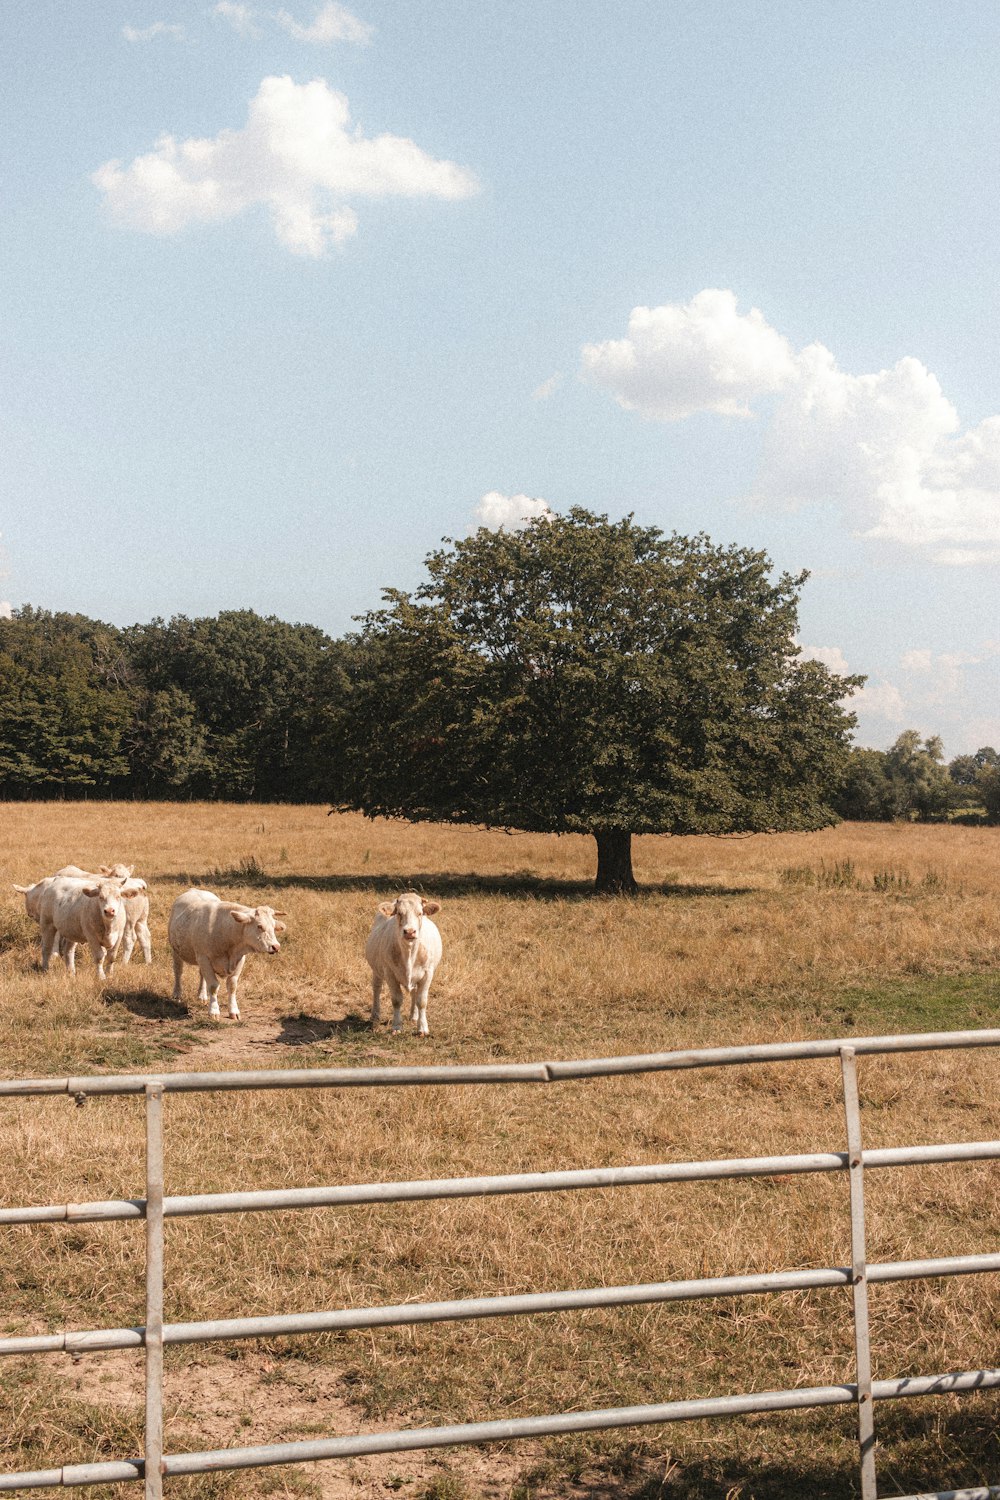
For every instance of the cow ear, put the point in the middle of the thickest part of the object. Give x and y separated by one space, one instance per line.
91 890
104 869
386 908
22 888
430 907
278 913
280 927
242 916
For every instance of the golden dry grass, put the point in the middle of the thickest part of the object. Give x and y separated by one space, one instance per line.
855 930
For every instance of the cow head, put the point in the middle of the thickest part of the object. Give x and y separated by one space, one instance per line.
409 911
119 872
259 927
110 895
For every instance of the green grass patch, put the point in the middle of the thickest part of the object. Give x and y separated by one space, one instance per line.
962 1002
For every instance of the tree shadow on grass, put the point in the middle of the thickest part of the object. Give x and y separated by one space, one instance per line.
148 1004
523 884
305 1031
919 1449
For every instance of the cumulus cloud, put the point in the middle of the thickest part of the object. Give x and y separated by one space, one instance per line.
880 699
828 656
509 512
332 23
545 390
886 447
878 703
941 676
935 691
240 17
299 156
704 356
147 33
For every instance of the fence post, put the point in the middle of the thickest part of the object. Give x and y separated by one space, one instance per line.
154 1292
859 1276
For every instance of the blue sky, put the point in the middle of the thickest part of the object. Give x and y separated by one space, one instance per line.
288 291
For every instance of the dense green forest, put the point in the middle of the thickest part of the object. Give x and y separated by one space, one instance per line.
236 707
243 707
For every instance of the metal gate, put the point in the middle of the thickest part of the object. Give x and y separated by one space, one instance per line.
862 1392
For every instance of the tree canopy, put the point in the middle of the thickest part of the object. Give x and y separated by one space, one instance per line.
234 706
584 675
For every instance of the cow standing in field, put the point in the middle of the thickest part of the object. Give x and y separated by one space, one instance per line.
136 906
404 949
71 912
216 936
33 896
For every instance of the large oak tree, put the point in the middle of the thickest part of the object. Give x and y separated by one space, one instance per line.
593 676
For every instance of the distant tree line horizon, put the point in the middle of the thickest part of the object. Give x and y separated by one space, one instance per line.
244 707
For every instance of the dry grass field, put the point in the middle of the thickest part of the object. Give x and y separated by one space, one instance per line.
853 931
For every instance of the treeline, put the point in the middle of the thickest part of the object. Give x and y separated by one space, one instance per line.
242 707
912 780
236 706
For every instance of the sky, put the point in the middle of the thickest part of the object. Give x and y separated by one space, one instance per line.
291 294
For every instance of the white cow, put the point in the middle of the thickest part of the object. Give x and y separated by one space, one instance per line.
217 936
33 896
404 949
71 912
136 906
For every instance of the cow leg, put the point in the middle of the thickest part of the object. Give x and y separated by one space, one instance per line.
178 971
98 954
232 980
145 942
50 945
376 1015
419 1012
209 989
128 943
396 992
67 952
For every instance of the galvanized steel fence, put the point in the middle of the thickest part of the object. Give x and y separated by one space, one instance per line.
862 1392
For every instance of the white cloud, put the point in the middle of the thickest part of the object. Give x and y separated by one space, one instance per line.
941 676
829 656
940 692
545 390
879 700
299 155
701 357
509 512
332 23
885 447
240 17
879 705
147 33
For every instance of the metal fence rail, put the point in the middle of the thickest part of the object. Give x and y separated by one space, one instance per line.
155 1208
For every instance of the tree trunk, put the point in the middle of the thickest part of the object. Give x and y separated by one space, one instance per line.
614 863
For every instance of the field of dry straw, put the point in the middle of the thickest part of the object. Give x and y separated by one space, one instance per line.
856 930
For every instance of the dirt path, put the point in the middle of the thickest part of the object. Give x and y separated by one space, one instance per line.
255 1399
